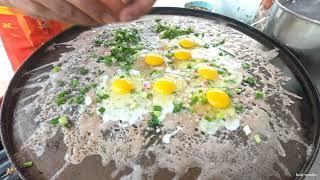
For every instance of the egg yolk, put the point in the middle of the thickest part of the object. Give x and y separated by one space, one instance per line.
187 43
208 72
122 86
164 86
153 59
182 54
218 98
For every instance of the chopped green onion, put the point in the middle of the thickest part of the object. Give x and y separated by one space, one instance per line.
245 66
206 46
259 95
220 115
74 83
102 110
169 54
83 71
239 90
239 108
177 107
257 139
210 119
157 108
189 66
230 81
171 32
194 100
61 98
105 96
98 42
157 20
149 95
203 99
229 92
219 43
26 164
79 99
156 73
63 121
157 113
94 85
56 69
54 121
154 121
221 54
250 80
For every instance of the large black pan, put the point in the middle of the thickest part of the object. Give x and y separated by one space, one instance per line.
307 112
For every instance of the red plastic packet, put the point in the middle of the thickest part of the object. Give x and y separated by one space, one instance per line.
22 35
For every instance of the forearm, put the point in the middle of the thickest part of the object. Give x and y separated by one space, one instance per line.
4 3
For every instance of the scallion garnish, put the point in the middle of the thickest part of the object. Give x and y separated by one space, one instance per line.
56 69
26 164
250 80
177 107
259 95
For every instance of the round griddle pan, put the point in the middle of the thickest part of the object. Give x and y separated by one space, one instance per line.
307 109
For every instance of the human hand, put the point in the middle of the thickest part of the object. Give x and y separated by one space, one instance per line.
267 4
82 12
135 9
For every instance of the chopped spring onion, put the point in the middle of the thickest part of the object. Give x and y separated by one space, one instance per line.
157 113
54 121
259 95
102 110
239 90
74 83
26 164
239 108
177 107
149 95
257 139
245 66
83 71
210 119
154 121
194 100
250 80
56 69
61 98
157 108
203 99
63 121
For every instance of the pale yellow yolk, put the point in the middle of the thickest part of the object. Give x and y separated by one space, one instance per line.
122 86
164 86
153 59
187 43
208 72
182 54
218 98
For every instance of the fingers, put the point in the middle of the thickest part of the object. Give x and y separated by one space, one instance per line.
267 4
94 9
35 9
136 9
68 12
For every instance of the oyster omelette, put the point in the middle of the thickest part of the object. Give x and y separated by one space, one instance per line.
182 97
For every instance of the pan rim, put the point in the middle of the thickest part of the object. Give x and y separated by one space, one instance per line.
306 81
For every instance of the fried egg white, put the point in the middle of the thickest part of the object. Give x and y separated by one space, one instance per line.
129 108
